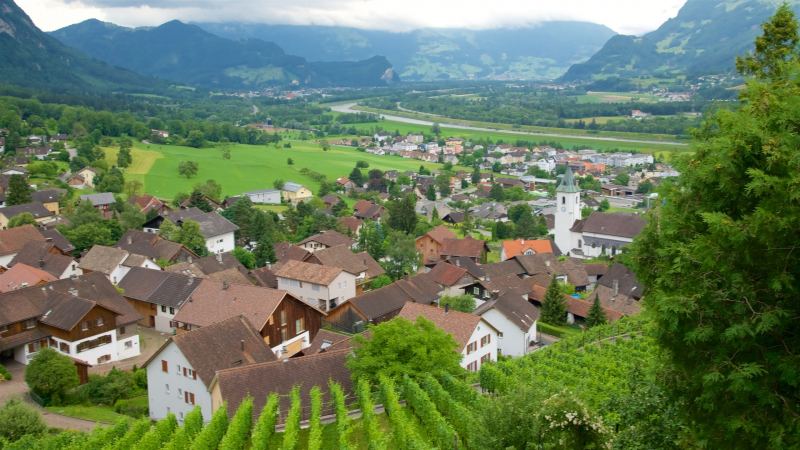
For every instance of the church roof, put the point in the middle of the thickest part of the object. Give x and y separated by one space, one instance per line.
567 183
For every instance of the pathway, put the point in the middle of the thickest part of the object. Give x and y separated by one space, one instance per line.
349 108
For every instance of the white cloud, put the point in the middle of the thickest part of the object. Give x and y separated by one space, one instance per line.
624 16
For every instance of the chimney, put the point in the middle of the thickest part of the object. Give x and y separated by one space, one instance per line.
446 308
616 287
73 292
41 262
48 239
241 344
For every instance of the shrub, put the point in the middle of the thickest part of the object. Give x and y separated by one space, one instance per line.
4 373
265 427
342 421
211 435
239 429
315 427
50 375
108 389
292 430
134 407
18 420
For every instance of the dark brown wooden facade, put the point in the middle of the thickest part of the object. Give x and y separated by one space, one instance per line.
97 321
147 310
291 318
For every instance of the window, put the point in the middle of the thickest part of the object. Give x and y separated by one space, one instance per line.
476 290
300 283
188 397
563 200
3 329
580 243
473 366
85 325
51 342
194 374
180 392
179 369
166 386
100 322
486 358
34 347
471 347
163 308
284 334
486 340
165 369
64 347
283 317
172 310
88 345
128 344
30 323
299 325
121 330
103 359
185 372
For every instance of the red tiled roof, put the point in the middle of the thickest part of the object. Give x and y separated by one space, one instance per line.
520 246
23 275
446 274
440 233
457 324
468 246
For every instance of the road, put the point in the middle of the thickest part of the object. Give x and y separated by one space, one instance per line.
349 108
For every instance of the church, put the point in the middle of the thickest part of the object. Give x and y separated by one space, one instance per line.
597 235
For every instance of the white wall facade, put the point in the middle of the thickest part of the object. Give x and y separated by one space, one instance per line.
281 349
221 244
164 317
568 210
6 260
265 197
71 271
514 341
342 288
166 390
483 351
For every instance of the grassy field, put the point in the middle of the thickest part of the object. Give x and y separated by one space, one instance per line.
251 167
616 97
600 120
104 414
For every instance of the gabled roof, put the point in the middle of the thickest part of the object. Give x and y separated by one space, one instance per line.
291 186
389 299
211 223
340 256
285 251
327 340
503 268
233 342
351 223
36 209
515 308
208 265
21 276
40 255
265 277
146 202
158 287
472 267
103 259
516 247
61 243
446 274
468 246
48 195
439 234
329 238
614 224
311 273
151 245
214 301
374 269
102 198
457 324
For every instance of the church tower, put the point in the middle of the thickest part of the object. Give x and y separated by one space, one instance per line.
568 210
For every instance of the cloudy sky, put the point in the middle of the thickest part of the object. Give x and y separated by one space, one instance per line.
623 16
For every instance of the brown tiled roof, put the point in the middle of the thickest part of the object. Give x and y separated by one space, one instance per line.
515 308
626 280
48 195
457 324
468 246
37 209
229 343
265 277
103 259
472 267
388 300
440 233
329 238
233 276
503 268
214 302
158 287
208 265
620 302
21 276
259 380
351 223
285 251
596 269
311 273
40 255
147 202
58 239
151 245
446 274
374 269
614 224
340 256
13 239
580 308
365 209
327 340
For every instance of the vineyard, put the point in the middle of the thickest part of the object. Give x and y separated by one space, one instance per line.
421 413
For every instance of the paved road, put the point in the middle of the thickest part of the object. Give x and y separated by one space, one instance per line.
348 108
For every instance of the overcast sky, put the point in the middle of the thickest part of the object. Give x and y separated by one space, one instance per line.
623 16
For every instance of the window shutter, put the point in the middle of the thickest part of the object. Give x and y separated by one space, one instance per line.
164 366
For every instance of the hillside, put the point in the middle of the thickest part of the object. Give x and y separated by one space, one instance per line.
704 38
538 52
31 58
187 54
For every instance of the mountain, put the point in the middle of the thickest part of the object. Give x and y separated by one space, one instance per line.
539 52
188 54
31 58
704 38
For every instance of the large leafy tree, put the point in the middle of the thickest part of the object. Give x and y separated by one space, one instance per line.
19 191
719 258
50 375
402 258
396 348
402 216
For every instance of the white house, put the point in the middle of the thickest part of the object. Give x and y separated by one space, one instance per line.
216 230
180 372
265 197
515 320
477 338
158 295
326 239
45 256
599 234
323 287
113 262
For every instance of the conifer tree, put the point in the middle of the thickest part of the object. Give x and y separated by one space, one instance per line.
554 309
596 314
19 191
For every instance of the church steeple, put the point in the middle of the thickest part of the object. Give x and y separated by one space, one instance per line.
567 183
568 211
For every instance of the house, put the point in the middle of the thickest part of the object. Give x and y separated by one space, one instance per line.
453 146
430 244
84 318
49 198
14 239
264 197
323 287
21 276
113 262
16 170
518 247
231 386
180 373
331 200
157 295
326 239
264 276
367 210
619 290
37 210
88 175
383 304
147 203
295 193
341 256
351 224
577 309
154 247
59 241
476 338
454 217
219 267
103 202
468 247
285 251
450 277
285 323
215 229
46 256
515 320
346 184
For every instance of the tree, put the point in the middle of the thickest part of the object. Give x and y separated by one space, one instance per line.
430 193
393 347
497 193
436 129
133 188
278 184
361 164
124 157
198 200
356 176
372 239
85 236
289 161
18 420
195 139
111 181
604 205
464 303
554 308
622 179
443 184
402 214
596 314
189 235
19 191
476 175
380 281
719 261
264 252
226 153
402 258
246 258
210 189
131 218
50 375
21 219
188 169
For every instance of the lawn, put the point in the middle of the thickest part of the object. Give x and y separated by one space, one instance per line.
616 97
560 331
251 167
104 414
